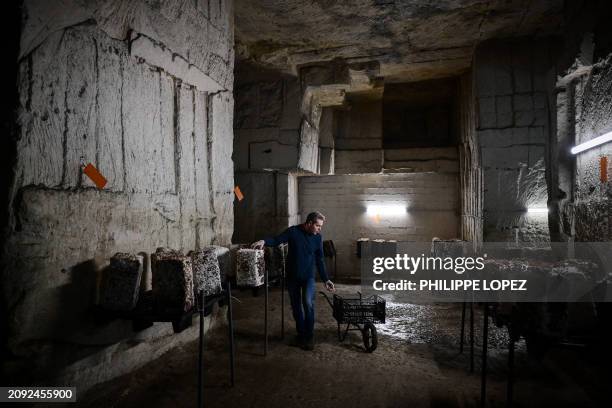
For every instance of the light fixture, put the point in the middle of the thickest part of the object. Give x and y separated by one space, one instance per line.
537 210
388 209
592 143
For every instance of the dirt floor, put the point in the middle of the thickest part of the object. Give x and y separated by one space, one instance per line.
417 364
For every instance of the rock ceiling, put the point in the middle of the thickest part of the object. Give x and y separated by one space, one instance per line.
411 39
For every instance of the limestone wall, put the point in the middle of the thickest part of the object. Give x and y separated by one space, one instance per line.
270 204
592 107
513 82
579 194
142 90
470 174
267 119
358 146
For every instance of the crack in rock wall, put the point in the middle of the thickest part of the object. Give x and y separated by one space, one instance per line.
162 139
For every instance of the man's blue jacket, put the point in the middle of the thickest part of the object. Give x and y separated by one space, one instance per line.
305 252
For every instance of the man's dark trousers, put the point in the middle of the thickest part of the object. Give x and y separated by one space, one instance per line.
302 294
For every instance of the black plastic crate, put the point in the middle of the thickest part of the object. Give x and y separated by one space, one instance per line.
359 310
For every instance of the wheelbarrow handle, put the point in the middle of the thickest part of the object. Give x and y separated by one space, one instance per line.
327 298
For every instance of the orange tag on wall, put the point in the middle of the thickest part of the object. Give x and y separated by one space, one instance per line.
238 193
603 169
95 176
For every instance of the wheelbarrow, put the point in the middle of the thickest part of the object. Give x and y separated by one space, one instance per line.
358 313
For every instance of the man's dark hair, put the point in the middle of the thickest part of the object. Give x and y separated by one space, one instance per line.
314 216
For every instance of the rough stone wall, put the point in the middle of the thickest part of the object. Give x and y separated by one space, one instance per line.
190 40
420 159
513 85
125 86
280 121
432 201
327 141
270 204
267 129
420 114
267 119
470 164
359 127
413 40
580 208
562 166
358 138
592 107
358 146
324 86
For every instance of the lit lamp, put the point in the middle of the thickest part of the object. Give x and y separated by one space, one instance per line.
603 161
378 210
537 210
592 143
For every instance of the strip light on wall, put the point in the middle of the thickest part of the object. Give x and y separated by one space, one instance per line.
378 210
537 210
592 143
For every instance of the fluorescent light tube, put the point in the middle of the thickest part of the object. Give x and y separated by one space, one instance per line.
537 210
592 143
386 210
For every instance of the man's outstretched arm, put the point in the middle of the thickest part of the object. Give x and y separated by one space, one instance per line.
275 241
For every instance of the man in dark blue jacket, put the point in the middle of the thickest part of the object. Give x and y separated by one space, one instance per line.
305 253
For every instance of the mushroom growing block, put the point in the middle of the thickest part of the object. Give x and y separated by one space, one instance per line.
250 267
122 282
172 280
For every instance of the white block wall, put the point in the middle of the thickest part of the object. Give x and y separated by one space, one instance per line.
432 201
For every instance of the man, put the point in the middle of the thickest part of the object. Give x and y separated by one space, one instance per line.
305 252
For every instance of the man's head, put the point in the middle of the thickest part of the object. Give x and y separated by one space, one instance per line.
314 222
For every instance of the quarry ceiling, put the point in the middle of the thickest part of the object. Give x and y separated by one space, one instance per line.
411 39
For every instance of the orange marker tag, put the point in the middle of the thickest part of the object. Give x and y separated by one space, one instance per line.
603 169
95 176
238 193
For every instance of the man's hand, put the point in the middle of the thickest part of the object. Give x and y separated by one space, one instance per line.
329 285
258 244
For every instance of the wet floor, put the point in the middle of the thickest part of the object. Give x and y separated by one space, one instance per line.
417 364
438 324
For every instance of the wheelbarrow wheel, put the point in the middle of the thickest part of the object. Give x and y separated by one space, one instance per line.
370 339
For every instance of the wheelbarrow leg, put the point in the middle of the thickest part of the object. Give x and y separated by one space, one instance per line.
343 336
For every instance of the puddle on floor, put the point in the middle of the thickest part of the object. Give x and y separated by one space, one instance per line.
438 324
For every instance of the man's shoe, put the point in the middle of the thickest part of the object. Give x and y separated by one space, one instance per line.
309 344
